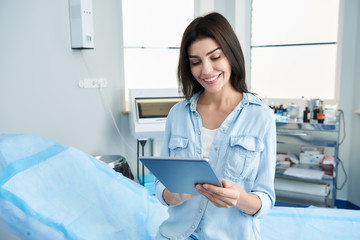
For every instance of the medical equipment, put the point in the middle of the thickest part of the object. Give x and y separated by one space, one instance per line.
81 23
149 109
148 113
118 163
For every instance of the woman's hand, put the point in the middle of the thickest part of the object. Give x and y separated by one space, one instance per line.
230 195
174 199
223 197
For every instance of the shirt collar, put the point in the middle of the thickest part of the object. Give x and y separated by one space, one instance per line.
193 100
251 98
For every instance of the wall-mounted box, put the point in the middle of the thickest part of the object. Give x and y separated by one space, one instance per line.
81 24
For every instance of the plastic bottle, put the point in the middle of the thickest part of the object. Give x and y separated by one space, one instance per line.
292 111
316 111
302 106
320 117
280 110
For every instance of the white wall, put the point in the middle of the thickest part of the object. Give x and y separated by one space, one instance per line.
349 99
39 73
348 64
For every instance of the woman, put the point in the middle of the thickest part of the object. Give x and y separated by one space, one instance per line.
222 121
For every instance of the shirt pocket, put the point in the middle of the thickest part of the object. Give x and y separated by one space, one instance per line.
178 146
242 162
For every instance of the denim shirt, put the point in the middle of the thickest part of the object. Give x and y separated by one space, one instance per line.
243 151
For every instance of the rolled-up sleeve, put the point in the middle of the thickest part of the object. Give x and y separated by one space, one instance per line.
264 182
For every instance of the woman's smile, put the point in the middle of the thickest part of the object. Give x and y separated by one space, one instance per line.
210 80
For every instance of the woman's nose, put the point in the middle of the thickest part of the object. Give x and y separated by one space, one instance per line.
206 67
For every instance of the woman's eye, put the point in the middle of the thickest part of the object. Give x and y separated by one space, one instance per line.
215 58
194 63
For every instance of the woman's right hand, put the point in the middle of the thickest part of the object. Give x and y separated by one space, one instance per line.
173 199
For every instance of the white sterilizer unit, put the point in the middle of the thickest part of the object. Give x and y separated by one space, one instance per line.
149 110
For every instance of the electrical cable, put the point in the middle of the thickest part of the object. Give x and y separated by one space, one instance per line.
107 107
339 161
106 104
342 120
345 174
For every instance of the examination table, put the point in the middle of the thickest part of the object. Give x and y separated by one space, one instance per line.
52 191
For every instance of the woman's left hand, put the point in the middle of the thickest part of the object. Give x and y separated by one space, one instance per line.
223 197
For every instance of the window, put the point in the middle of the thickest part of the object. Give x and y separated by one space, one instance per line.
293 48
152 31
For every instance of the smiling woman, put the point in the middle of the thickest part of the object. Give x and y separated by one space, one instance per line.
238 130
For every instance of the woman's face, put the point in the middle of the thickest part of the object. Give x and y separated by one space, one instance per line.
208 64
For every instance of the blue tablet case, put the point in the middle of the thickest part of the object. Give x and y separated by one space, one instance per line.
179 175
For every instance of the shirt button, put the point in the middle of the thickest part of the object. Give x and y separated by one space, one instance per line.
193 226
216 149
200 210
198 152
199 132
223 129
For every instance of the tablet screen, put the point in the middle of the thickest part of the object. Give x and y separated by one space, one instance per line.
179 175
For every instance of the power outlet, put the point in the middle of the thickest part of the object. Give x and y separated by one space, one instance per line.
93 83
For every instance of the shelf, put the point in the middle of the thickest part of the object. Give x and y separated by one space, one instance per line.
324 135
307 126
295 188
324 178
316 189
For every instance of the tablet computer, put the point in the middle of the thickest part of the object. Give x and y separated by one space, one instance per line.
179 175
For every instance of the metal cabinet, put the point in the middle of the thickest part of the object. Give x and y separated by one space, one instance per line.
298 189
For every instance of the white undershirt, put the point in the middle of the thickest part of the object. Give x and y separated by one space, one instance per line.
208 138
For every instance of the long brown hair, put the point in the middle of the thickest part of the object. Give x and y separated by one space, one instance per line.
215 26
